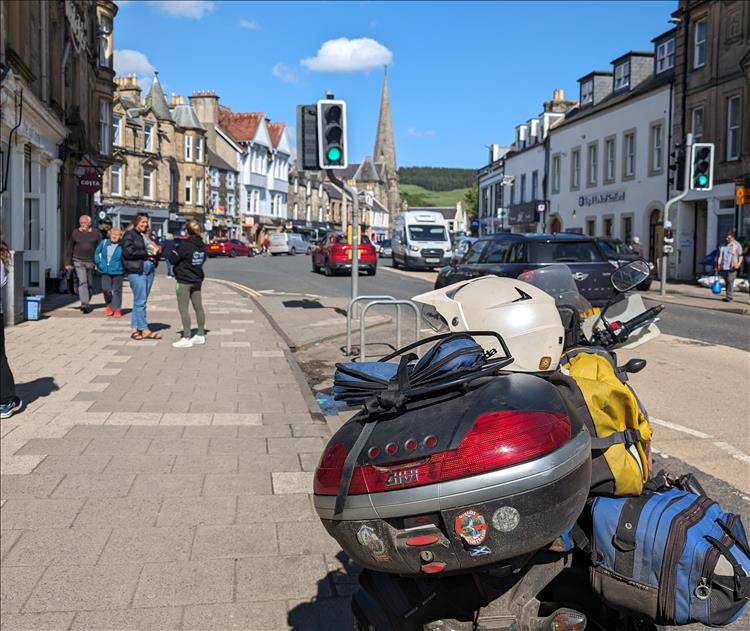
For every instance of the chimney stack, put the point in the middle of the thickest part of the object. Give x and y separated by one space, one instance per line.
127 87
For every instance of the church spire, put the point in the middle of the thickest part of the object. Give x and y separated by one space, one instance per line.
385 148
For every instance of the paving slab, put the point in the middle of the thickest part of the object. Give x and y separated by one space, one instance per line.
58 621
261 616
7 539
121 512
58 546
76 588
169 485
27 514
156 619
186 583
147 545
197 511
301 577
286 482
29 485
267 509
16 586
94 485
305 538
70 464
252 482
233 542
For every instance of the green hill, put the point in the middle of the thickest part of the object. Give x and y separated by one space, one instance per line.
416 196
437 178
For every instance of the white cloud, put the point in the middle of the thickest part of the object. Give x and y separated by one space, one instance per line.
416 133
132 62
251 25
284 72
191 9
349 55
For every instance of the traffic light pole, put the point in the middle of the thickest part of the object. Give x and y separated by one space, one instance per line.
668 205
352 192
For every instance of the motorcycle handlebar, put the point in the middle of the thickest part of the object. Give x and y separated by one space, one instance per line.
648 314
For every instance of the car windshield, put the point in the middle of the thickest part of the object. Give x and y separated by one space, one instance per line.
385 243
615 247
566 252
427 233
341 239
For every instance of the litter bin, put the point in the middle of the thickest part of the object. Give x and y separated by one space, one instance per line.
33 307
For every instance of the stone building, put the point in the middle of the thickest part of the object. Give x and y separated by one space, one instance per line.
223 201
310 209
159 159
711 59
55 129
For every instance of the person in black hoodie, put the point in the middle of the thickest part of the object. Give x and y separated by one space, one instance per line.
188 259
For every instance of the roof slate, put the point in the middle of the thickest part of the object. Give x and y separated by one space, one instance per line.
156 100
241 126
185 116
275 130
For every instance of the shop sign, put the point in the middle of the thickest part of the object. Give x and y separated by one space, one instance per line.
522 214
601 198
90 181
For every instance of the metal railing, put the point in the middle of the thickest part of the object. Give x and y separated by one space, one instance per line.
373 301
397 304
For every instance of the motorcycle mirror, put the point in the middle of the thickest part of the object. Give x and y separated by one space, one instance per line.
630 275
633 366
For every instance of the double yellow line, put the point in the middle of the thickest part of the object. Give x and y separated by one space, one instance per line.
245 288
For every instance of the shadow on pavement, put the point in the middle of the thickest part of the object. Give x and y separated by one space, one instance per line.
33 390
330 608
306 303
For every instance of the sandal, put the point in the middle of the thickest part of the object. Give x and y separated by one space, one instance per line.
151 336
135 335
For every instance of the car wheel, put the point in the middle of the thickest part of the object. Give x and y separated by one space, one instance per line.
329 271
274 253
394 262
292 252
315 268
232 254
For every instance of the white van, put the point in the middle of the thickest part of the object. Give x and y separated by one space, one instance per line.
287 243
420 239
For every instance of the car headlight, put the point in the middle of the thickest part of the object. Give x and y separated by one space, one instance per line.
413 248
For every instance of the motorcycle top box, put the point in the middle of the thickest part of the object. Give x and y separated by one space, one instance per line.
458 481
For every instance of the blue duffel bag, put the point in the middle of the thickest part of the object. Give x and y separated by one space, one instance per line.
670 557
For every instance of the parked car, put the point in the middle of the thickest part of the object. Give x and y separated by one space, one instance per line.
461 247
334 254
619 253
287 243
228 247
510 254
384 248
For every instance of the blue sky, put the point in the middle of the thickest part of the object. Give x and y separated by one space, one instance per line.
461 74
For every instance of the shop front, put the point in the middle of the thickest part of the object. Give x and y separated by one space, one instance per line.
527 217
162 221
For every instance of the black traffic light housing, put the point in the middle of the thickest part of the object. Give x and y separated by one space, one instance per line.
676 176
307 137
332 149
702 166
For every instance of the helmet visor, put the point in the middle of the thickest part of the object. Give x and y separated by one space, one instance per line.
434 320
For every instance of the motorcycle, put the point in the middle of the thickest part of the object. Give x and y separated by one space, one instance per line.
448 534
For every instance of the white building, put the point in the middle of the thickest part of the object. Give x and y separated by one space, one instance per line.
490 184
608 160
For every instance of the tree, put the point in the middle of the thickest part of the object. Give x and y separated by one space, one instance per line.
470 201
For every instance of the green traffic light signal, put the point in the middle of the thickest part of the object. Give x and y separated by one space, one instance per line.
334 154
702 180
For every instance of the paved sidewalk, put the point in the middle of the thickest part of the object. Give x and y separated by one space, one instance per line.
146 487
701 297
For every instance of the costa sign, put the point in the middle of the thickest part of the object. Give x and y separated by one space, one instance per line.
90 181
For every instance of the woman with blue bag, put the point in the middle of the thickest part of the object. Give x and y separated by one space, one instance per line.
108 261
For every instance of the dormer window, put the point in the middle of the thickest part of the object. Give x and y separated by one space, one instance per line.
665 56
622 75
587 93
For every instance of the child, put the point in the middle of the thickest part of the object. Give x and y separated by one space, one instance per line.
108 261
188 259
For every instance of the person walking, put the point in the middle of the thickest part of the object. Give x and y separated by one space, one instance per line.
746 258
10 404
108 259
636 246
139 255
169 245
728 263
188 259
79 256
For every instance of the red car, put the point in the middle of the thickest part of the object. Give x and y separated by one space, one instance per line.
335 254
228 247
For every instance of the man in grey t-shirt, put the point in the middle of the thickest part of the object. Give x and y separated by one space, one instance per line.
80 256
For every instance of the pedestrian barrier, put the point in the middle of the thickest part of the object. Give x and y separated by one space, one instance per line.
397 304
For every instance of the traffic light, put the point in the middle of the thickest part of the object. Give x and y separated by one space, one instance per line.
307 137
702 166
741 194
332 134
676 176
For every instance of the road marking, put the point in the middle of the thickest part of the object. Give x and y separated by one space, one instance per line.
679 428
733 451
244 288
411 274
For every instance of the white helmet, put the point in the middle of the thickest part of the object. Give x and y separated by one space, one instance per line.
526 317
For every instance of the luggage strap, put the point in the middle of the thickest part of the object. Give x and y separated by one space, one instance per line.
628 437
624 540
741 580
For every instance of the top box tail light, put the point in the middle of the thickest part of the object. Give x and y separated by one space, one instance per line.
496 440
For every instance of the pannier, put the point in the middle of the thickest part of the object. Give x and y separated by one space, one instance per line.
620 432
670 557
450 465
